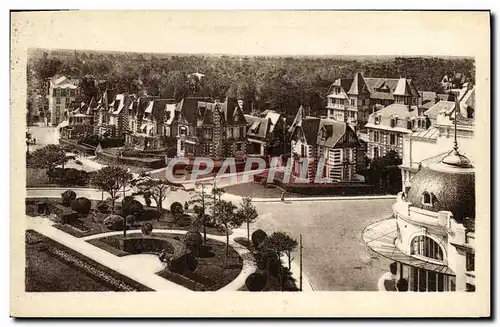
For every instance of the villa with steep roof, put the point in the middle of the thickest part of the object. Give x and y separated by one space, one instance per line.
152 123
387 126
266 133
62 94
212 129
323 146
352 100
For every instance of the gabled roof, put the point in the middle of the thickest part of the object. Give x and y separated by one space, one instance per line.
298 118
118 103
310 128
258 126
335 130
404 88
358 86
344 83
62 82
157 108
169 113
188 107
232 112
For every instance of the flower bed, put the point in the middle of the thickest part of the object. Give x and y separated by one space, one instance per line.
70 261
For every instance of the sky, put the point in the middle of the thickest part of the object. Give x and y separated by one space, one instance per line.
254 32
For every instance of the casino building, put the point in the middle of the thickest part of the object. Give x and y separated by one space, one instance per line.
431 233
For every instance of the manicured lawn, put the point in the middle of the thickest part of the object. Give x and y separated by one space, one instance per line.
212 273
52 267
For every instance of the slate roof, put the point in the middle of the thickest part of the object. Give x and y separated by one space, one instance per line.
257 126
344 83
335 130
379 87
232 112
429 134
439 107
188 107
358 86
157 108
310 128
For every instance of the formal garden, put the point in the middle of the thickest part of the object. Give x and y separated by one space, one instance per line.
190 239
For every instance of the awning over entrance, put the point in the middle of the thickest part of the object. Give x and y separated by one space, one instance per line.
381 236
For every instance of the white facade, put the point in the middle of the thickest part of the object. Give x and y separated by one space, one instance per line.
62 93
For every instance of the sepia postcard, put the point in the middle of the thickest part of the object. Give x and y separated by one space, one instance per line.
250 164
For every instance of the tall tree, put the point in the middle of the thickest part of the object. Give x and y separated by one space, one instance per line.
112 180
48 157
248 213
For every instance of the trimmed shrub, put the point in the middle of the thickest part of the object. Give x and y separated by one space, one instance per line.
102 207
113 222
131 219
81 205
132 207
256 282
150 214
67 197
176 207
258 237
193 241
179 264
147 228
126 200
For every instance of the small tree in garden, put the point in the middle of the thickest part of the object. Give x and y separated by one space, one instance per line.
227 218
158 189
203 200
48 157
112 180
280 243
247 213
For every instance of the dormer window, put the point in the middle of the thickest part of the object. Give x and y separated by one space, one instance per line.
427 199
377 120
394 121
323 134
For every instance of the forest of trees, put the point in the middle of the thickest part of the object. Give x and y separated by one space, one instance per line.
281 83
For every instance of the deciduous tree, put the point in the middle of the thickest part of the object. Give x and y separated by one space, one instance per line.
112 180
247 213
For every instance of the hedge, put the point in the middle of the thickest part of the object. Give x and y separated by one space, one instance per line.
69 176
153 163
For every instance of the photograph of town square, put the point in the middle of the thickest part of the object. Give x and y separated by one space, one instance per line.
195 172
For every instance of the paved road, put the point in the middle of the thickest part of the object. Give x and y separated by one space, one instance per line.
335 257
44 135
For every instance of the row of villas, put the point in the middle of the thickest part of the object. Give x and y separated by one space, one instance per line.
195 126
205 127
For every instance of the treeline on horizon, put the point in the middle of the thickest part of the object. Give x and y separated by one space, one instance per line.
280 83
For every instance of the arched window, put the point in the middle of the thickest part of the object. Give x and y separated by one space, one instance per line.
427 198
425 246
